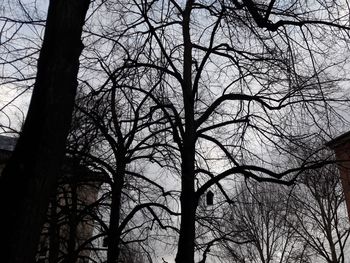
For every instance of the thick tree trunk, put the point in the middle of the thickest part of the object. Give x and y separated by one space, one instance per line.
113 236
31 174
186 244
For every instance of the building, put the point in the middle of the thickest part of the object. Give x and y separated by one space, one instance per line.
7 145
341 147
70 220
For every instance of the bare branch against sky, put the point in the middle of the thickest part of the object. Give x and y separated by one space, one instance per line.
178 99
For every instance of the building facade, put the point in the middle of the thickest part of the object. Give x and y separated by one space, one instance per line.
66 235
341 148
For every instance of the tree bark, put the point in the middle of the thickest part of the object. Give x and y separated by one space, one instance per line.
188 200
186 244
113 236
31 174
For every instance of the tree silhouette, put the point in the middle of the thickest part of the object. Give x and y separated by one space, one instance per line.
238 80
210 92
31 174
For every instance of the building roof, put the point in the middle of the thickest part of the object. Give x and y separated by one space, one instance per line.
341 139
7 143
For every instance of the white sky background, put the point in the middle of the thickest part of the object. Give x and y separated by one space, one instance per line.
14 105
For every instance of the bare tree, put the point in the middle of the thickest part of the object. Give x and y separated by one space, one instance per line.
260 214
303 223
231 84
122 128
319 214
235 77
